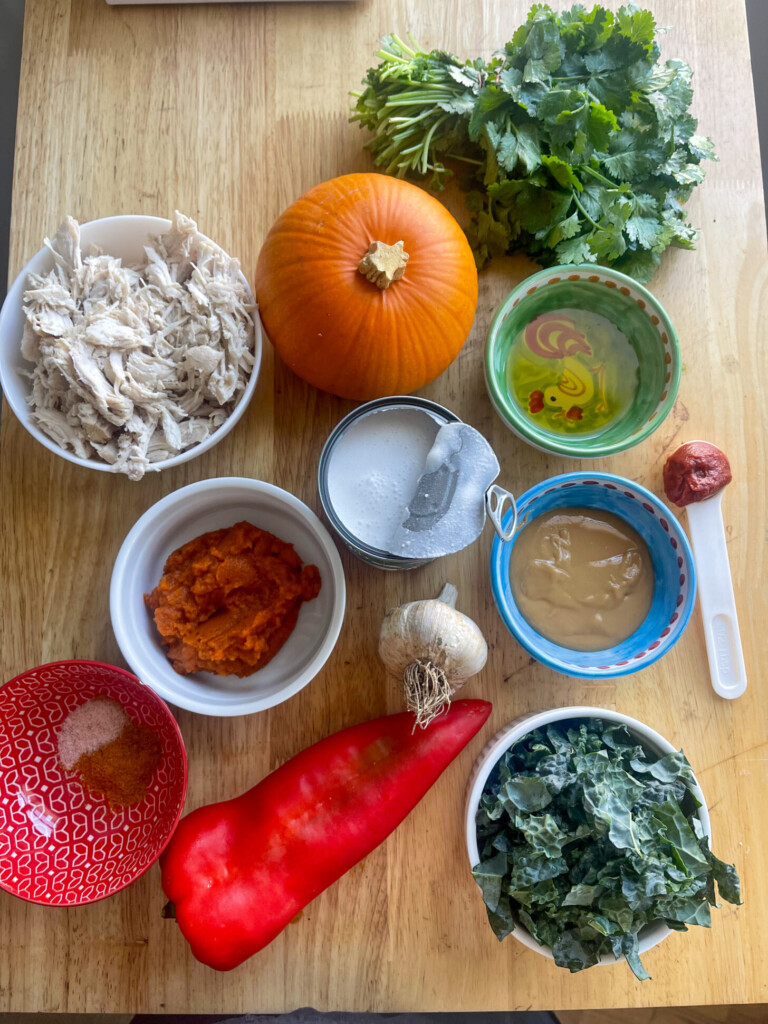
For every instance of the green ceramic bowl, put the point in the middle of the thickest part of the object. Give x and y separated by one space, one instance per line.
626 304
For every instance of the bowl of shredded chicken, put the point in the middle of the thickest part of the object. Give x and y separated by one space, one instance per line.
129 344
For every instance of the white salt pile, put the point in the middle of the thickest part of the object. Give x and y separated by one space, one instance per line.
88 728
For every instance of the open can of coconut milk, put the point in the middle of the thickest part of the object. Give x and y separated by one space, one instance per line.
391 480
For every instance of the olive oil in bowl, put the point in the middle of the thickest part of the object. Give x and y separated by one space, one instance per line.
572 371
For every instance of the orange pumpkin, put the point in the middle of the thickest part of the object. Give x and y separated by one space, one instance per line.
366 286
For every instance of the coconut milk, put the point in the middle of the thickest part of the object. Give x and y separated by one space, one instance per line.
374 468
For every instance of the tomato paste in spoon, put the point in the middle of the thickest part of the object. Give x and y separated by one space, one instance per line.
694 472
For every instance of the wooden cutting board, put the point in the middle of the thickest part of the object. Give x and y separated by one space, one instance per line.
228 114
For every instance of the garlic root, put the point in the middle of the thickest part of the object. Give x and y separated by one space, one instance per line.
427 691
434 649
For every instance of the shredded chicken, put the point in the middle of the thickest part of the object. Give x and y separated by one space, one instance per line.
136 364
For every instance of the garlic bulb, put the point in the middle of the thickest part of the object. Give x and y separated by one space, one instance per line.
434 649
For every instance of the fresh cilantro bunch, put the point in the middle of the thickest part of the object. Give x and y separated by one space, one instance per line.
574 142
584 838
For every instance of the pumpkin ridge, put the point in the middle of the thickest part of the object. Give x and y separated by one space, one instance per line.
349 353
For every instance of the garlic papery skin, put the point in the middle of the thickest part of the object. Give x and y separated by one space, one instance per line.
434 649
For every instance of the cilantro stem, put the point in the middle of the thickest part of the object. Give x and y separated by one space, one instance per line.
599 177
465 159
428 140
401 119
399 42
583 211
385 55
407 99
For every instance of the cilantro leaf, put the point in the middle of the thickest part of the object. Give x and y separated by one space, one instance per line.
529 147
602 124
647 232
638 263
637 26
562 172
488 104
575 250
565 229
534 206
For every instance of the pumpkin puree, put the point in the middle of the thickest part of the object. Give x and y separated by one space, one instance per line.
228 600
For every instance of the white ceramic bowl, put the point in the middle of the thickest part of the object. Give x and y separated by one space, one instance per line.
650 935
184 515
123 236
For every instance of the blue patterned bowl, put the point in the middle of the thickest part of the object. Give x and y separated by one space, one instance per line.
674 591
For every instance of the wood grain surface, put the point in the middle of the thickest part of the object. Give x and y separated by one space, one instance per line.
228 114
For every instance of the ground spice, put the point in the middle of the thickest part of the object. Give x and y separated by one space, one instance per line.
123 769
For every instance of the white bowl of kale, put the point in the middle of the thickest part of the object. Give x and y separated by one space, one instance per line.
588 835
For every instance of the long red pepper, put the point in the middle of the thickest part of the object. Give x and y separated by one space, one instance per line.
238 871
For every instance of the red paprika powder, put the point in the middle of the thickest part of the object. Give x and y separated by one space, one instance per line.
123 769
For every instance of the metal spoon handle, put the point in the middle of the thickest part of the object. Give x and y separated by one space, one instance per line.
718 607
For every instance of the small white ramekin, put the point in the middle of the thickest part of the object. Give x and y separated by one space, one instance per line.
180 517
124 237
652 934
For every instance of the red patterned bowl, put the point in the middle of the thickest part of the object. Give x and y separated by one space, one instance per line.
59 844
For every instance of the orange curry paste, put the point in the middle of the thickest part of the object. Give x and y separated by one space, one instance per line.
228 600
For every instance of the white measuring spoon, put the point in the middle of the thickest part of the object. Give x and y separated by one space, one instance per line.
715 586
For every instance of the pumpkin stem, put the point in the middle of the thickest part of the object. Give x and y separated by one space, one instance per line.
383 263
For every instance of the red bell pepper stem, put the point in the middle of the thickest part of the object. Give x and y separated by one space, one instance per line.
238 871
